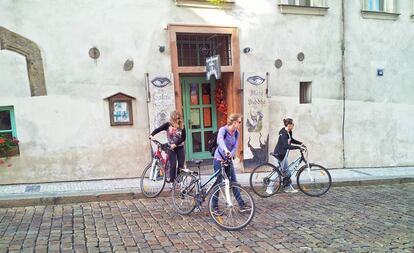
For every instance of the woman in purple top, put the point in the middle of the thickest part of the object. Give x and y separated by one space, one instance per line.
227 139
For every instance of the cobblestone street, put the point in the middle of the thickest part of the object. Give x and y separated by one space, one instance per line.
353 219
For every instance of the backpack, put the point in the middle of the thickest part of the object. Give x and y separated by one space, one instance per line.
212 142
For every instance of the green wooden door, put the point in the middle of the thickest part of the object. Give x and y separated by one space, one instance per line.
199 108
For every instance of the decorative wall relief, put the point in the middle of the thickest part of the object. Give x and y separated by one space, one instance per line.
160 98
21 45
256 119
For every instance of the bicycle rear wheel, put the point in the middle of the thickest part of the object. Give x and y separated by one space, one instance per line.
234 216
315 180
153 179
265 180
183 193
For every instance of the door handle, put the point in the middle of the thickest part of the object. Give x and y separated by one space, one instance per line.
189 124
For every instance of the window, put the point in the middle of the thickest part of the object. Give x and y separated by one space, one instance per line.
193 49
7 123
303 7
380 5
380 9
305 93
314 3
8 128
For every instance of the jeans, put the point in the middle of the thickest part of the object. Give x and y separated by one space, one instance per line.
283 166
173 155
236 191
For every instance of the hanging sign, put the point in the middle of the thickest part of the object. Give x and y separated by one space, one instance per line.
213 67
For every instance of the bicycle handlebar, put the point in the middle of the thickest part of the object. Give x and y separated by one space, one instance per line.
163 146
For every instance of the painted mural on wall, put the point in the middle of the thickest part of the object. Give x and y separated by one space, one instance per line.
161 99
256 119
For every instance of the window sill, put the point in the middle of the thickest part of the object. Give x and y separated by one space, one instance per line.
14 151
227 4
380 15
303 10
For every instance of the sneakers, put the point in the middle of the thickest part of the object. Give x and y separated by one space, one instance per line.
217 212
290 189
243 209
269 190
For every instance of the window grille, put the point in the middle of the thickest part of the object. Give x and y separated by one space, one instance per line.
194 48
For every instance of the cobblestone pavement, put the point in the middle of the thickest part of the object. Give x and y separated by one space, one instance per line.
349 219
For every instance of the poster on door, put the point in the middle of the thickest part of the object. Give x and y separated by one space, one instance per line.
160 100
256 119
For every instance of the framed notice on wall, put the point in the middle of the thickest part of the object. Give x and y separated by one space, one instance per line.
120 109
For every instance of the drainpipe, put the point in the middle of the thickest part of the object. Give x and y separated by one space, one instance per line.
343 78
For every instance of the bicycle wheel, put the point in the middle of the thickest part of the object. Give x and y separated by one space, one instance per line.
265 180
314 181
183 193
232 216
153 179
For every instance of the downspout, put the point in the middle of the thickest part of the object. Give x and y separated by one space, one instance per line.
343 78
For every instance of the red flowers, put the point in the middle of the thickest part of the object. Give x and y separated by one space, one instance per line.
2 141
221 102
7 142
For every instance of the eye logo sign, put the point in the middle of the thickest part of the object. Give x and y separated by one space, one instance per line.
160 82
255 80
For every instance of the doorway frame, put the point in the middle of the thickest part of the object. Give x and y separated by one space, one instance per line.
233 82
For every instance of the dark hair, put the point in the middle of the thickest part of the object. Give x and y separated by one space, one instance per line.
287 121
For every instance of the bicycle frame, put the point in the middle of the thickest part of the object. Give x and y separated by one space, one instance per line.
292 168
157 155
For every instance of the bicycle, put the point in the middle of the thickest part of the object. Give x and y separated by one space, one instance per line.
312 179
189 193
153 177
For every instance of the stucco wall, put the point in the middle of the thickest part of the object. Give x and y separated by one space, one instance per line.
66 135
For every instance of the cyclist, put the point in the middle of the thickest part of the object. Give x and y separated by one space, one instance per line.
227 139
176 137
284 144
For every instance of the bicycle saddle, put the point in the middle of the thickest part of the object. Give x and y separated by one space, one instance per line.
198 162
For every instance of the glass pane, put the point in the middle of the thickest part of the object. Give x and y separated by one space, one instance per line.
195 118
5 123
194 94
197 142
207 117
207 137
206 94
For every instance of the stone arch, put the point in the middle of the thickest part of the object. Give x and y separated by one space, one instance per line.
21 45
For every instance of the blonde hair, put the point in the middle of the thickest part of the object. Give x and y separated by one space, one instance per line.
233 117
176 120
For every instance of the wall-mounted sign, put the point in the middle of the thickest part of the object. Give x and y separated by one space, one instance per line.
256 119
213 67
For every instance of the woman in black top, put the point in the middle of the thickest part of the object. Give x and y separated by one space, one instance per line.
176 137
284 144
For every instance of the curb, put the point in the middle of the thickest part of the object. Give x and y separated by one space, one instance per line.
21 201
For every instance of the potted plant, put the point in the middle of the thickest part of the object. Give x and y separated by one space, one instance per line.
9 146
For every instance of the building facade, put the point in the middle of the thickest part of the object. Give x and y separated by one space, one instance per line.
77 81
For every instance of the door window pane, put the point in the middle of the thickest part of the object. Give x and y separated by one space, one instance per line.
206 94
207 117
195 118
197 142
194 94
5 123
207 137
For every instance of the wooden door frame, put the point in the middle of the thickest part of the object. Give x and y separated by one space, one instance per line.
233 84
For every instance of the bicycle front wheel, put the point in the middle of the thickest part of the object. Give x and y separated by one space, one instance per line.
183 193
265 180
314 180
153 179
231 211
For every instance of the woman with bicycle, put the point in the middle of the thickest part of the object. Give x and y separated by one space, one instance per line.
176 137
227 140
284 144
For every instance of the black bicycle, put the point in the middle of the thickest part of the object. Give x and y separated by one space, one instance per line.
225 209
312 179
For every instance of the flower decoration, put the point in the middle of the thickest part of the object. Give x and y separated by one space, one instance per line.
7 142
221 102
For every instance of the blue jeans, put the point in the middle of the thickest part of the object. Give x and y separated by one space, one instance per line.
236 191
